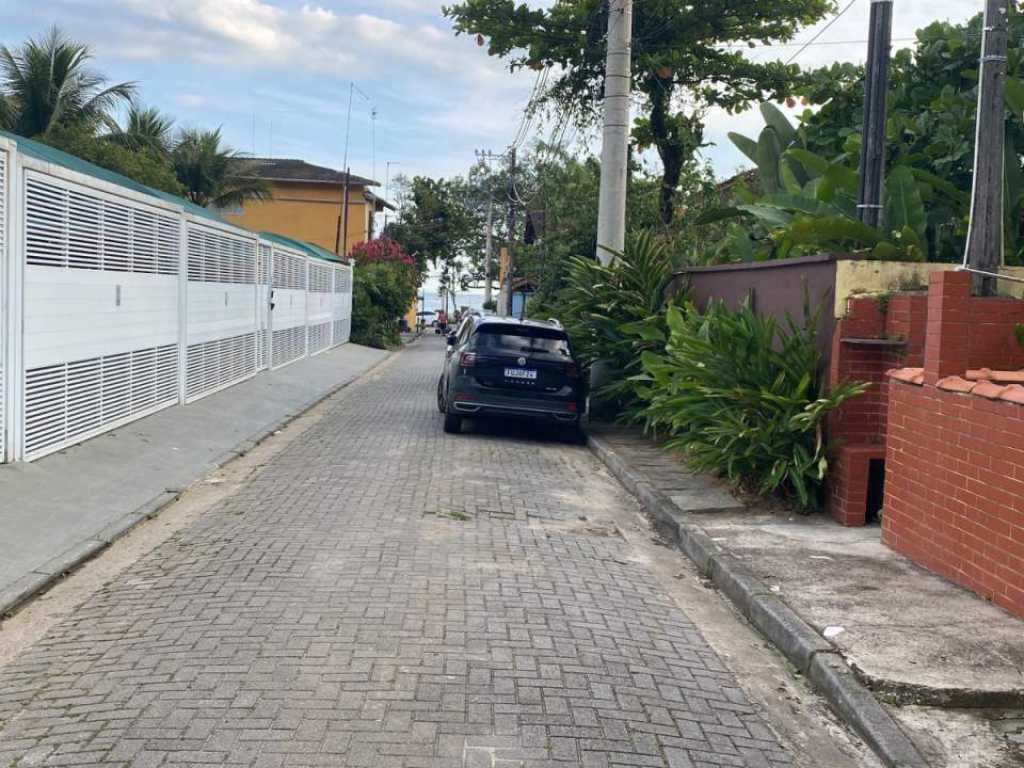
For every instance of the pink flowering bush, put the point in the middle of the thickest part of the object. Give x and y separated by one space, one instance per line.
383 249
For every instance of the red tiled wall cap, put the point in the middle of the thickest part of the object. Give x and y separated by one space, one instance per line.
1004 377
908 375
957 384
989 390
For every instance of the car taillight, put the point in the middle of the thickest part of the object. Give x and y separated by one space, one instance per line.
467 359
572 371
571 407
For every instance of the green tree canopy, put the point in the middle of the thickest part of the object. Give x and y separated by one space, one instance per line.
212 173
440 224
686 57
145 128
48 82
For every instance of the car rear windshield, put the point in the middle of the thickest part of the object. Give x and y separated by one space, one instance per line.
522 338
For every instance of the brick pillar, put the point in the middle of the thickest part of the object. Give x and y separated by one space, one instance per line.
946 344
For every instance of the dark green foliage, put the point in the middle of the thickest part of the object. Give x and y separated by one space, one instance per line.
614 313
1018 332
809 205
47 83
686 59
381 294
931 126
142 165
145 129
212 173
742 396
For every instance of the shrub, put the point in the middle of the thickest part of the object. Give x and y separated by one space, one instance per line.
382 292
614 313
742 397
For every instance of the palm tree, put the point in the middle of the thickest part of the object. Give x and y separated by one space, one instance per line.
214 175
48 82
145 129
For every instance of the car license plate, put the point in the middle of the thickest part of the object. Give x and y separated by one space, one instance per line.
524 374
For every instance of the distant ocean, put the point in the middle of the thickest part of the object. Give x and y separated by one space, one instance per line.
433 302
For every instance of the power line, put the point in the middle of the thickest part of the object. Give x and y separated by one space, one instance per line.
821 31
741 46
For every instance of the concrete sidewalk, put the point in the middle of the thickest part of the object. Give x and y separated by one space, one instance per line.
59 510
922 644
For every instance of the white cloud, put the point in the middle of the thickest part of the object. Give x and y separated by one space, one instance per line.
190 100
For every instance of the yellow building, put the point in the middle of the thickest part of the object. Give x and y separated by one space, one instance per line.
307 203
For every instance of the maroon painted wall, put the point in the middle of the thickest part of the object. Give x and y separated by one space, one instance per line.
775 288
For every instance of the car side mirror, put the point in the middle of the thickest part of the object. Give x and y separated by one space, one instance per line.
452 338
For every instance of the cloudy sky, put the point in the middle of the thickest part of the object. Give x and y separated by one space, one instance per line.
276 74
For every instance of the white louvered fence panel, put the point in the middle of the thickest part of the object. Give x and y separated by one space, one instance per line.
290 285
67 403
79 228
222 314
342 305
100 311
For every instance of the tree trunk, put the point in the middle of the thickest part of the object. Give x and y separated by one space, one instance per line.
671 160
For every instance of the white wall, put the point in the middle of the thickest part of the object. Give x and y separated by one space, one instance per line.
115 304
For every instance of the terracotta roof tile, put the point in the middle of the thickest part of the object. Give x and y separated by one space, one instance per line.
1014 393
956 384
1004 377
989 390
908 375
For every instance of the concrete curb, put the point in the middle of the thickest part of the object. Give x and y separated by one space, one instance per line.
42 578
814 656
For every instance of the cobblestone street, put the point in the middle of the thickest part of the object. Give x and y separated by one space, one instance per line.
383 594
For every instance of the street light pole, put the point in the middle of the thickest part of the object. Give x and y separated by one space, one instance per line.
611 211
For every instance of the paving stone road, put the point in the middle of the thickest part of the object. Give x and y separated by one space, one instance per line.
383 594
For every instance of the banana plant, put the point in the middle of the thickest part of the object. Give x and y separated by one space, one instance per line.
809 204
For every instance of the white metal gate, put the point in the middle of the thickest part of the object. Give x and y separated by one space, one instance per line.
320 306
342 308
288 317
222 325
101 315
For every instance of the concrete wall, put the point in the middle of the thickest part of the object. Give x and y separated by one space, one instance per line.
774 288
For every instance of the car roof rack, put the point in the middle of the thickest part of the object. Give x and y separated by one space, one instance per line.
554 322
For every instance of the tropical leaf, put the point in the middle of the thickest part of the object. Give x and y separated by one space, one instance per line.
769 152
779 123
904 208
747 146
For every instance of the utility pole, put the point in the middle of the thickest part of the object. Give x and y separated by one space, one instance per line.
985 234
611 210
486 156
387 179
876 88
489 247
505 297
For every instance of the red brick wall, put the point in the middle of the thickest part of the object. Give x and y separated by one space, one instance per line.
857 429
954 488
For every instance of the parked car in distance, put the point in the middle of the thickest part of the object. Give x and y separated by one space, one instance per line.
501 366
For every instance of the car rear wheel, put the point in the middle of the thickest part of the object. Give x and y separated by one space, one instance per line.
441 405
452 423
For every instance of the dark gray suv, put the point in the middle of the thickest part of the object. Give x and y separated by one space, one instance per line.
500 366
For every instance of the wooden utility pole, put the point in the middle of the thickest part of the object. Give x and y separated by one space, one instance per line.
985 234
870 198
611 209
